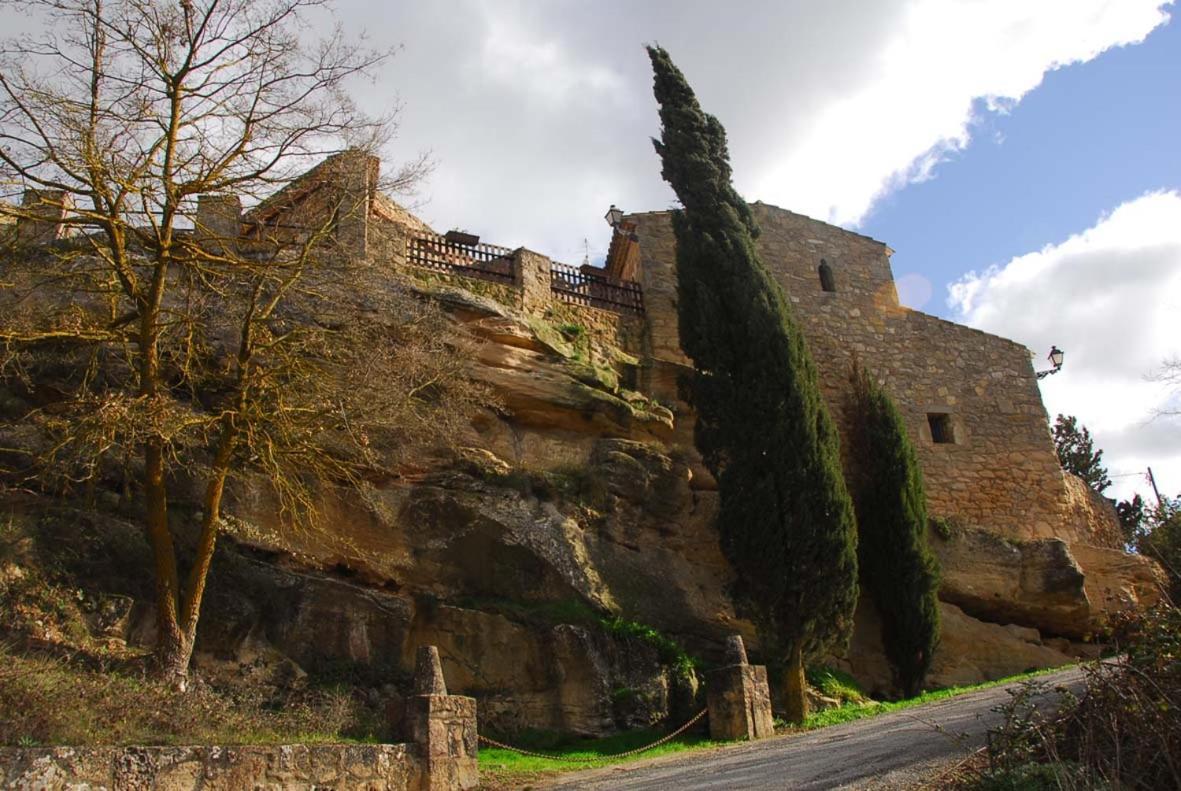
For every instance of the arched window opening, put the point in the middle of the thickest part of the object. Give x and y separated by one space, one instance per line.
826 280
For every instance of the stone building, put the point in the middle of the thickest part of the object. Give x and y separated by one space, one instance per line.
970 399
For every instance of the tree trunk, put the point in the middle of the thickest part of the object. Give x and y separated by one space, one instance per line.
195 587
795 689
174 651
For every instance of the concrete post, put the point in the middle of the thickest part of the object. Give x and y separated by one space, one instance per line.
218 221
739 698
443 727
41 216
532 276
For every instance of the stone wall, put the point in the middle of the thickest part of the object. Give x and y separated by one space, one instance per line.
442 755
388 767
604 327
1000 472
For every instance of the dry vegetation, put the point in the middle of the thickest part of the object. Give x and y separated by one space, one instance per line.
1123 732
69 599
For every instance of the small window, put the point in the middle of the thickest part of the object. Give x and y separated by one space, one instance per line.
942 430
826 280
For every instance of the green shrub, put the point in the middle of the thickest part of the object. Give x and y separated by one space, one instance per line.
668 650
897 568
1036 777
943 526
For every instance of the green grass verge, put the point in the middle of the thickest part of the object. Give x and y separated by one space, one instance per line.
605 752
871 708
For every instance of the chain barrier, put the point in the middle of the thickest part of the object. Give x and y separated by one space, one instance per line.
645 748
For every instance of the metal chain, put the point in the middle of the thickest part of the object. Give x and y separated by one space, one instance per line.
657 743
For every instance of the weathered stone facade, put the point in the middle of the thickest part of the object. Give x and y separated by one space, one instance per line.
999 472
970 400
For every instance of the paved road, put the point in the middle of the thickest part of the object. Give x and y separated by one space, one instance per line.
880 752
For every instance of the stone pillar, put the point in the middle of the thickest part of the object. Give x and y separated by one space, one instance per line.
356 175
443 727
739 698
41 215
218 222
532 276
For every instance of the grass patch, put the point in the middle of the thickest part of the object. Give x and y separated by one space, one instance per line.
833 683
872 708
599 752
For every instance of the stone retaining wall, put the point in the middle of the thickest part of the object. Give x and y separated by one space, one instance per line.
442 756
379 767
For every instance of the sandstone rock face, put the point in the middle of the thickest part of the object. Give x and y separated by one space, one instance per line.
1059 588
579 500
1032 582
1115 580
530 671
970 651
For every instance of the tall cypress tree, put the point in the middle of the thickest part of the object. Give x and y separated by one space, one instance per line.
785 519
897 567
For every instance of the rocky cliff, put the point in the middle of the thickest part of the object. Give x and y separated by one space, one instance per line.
565 563
581 510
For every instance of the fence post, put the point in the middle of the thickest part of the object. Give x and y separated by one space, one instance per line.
443 728
739 698
532 275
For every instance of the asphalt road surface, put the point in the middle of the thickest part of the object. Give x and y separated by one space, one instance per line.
889 751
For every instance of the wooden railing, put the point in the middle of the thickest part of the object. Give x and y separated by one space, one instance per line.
580 288
490 262
481 261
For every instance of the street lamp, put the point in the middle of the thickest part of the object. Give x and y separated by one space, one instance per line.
614 216
1055 358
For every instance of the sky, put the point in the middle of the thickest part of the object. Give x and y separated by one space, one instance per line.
1022 157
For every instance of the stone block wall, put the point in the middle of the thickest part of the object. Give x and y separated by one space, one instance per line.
1000 472
297 767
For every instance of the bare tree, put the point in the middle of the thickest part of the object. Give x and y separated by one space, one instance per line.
1169 374
284 356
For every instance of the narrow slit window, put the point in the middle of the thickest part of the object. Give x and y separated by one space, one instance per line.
942 430
826 280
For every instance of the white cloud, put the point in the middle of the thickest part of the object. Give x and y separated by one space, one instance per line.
540 114
1111 298
917 105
